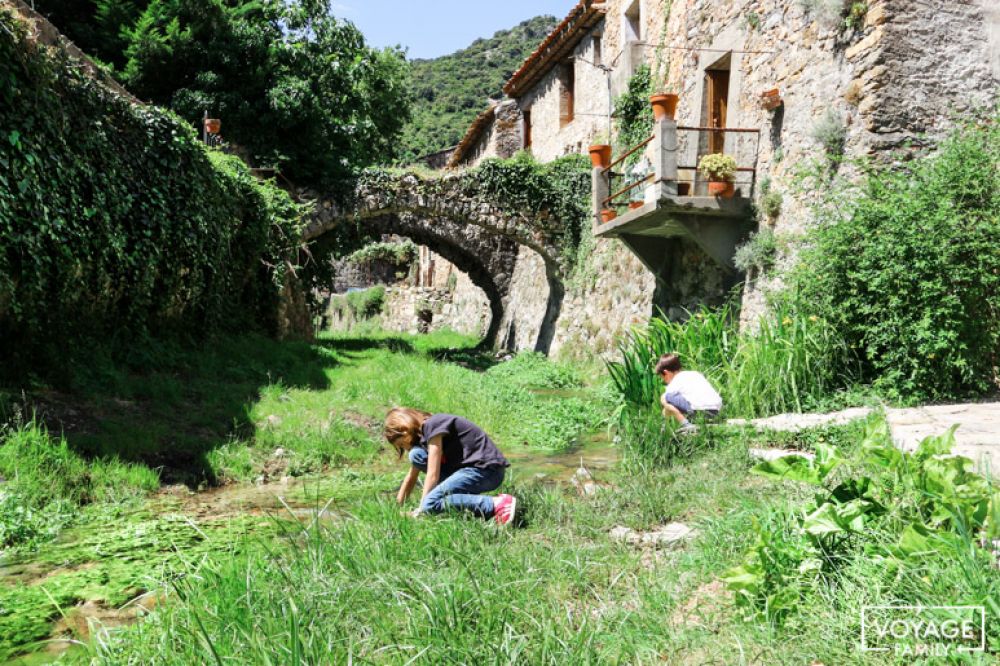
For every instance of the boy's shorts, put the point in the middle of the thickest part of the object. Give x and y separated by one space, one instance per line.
682 404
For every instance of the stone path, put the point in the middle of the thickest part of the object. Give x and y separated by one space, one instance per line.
796 422
977 437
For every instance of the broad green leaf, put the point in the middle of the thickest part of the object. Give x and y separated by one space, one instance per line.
747 577
993 523
823 521
793 468
936 444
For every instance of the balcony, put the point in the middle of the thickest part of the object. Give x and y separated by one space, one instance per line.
672 202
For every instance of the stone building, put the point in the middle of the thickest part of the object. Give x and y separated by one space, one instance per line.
862 78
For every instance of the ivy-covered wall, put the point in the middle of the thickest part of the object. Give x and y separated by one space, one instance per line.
115 221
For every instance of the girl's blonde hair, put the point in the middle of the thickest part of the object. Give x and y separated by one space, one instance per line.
402 427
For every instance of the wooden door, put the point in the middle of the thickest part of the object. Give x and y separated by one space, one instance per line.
718 94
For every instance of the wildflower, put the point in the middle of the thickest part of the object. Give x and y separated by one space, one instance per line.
786 321
813 318
930 356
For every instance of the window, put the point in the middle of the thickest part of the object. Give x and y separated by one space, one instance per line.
527 128
567 80
596 59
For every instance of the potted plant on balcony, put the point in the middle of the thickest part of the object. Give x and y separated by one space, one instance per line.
664 105
719 169
608 214
600 151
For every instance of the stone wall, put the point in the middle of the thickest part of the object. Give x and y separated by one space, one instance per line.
899 76
550 137
463 308
434 295
502 137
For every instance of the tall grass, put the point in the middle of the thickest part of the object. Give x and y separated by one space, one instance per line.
789 363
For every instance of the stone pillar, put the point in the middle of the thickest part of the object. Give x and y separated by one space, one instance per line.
599 192
663 153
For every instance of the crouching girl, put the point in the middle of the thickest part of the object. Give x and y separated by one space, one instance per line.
460 463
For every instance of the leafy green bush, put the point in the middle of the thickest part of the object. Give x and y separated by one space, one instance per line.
789 363
901 509
295 87
905 266
115 222
829 131
401 252
633 114
367 303
757 253
558 190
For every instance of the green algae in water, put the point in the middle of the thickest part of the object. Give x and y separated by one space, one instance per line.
109 563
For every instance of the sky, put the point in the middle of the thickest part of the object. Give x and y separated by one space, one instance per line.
432 28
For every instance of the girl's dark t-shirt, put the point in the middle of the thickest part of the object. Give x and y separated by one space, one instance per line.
464 443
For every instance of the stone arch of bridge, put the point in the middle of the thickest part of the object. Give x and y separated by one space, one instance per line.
487 260
480 236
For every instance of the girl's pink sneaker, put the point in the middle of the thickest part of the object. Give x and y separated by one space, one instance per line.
504 508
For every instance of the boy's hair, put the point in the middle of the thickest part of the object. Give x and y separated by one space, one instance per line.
671 362
402 427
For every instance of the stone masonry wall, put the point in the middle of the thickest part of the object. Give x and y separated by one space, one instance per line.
462 307
550 138
899 76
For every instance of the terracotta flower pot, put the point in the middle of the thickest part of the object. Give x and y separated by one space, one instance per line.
721 188
608 214
600 155
635 204
770 99
213 125
664 105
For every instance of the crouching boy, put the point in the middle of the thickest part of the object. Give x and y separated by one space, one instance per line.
687 393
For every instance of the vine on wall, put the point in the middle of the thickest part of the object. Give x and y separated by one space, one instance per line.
115 221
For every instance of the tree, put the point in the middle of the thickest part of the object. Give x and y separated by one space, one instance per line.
99 27
294 86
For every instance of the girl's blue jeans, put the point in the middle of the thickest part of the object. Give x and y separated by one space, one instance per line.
459 488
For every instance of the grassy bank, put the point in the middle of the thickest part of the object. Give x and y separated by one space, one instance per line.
79 462
337 574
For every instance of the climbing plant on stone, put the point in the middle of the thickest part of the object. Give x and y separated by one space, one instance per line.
115 221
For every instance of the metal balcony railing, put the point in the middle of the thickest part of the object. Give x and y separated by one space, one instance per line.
614 186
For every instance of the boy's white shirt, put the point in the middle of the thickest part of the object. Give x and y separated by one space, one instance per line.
693 386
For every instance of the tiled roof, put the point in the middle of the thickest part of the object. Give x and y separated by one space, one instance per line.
562 40
481 122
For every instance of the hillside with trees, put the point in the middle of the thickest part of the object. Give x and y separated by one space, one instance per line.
449 91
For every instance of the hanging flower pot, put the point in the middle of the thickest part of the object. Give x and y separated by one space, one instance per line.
770 99
664 105
608 214
635 204
600 155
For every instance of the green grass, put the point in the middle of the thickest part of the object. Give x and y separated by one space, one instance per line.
386 589
365 583
789 363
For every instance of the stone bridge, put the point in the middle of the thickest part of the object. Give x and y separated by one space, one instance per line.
453 217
